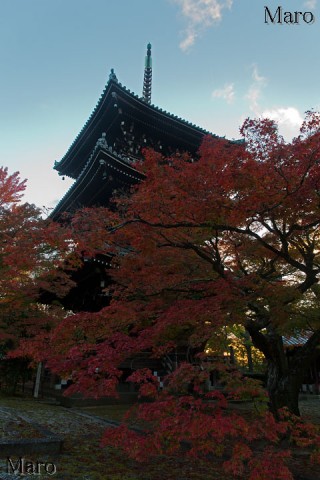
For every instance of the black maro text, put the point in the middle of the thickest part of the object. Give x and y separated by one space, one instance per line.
281 17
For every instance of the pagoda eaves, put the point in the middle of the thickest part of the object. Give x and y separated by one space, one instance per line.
118 104
104 172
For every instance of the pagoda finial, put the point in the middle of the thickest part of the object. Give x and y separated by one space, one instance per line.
147 80
113 76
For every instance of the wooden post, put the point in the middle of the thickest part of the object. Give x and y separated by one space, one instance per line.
38 377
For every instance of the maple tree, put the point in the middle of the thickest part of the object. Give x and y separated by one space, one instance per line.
231 239
31 252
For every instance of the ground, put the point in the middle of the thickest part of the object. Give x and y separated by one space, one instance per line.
83 459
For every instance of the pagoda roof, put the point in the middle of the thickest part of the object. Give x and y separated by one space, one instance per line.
104 171
297 340
116 103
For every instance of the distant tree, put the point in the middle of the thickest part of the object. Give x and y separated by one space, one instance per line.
31 251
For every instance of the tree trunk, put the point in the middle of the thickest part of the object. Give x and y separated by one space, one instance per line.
249 357
283 388
284 375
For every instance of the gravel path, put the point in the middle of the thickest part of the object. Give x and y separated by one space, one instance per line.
74 428
82 432
310 408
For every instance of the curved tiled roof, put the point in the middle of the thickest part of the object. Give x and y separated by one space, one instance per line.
297 340
103 109
168 114
114 162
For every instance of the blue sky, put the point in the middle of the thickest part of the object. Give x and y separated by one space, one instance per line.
215 62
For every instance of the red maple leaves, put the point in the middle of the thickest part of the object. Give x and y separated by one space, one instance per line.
229 239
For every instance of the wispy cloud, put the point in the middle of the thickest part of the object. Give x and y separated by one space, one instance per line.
227 93
200 15
255 90
310 4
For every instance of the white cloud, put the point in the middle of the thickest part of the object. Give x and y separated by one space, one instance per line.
200 15
289 120
310 4
255 89
227 93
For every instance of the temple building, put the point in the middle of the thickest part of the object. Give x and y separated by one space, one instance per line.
121 125
102 159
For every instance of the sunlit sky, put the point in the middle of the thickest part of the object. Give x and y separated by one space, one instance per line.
215 62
